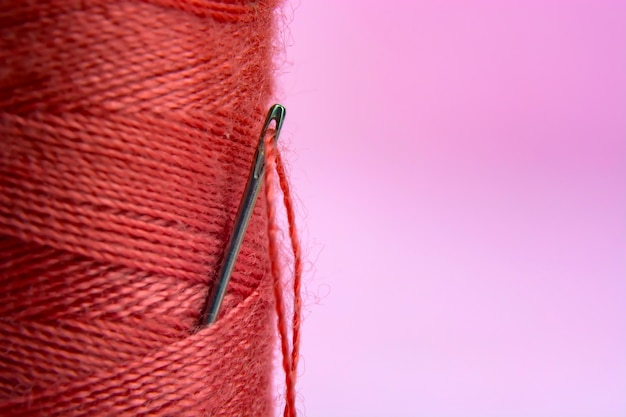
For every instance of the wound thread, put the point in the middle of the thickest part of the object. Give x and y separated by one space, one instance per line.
127 129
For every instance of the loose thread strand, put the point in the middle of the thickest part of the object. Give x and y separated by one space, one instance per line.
290 359
297 256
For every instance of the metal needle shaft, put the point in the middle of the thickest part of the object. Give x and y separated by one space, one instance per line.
244 213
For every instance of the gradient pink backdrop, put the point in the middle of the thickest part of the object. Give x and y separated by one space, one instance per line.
461 167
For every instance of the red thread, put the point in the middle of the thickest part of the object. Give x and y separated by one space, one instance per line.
297 256
290 358
127 131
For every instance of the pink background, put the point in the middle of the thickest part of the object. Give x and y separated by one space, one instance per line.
461 171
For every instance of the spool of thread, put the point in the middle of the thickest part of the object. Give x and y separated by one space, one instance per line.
127 129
